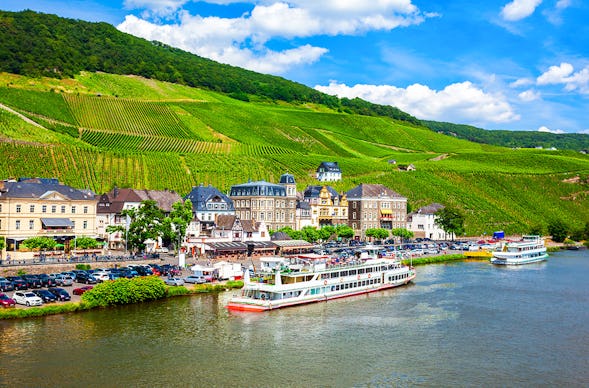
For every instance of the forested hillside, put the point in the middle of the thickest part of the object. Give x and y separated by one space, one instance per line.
512 139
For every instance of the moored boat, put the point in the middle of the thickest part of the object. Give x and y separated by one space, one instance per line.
297 282
530 249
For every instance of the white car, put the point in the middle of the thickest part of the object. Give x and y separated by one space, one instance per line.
174 281
101 276
196 279
27 298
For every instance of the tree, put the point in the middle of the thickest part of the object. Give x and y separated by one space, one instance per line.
86 243
176 224
451 220
326 232
344 231
146 223
377 233
310 234
537 229
39 243
558 230
2 245
402 233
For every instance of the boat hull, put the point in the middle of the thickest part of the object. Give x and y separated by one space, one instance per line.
243 304
518 261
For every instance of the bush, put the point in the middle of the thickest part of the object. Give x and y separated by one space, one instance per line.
83 266
434 259
125 291
176 291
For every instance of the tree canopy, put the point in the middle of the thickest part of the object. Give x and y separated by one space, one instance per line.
451 220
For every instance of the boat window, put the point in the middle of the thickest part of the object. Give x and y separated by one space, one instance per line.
361 271
337 287
324 275
334 275
344 273
352 272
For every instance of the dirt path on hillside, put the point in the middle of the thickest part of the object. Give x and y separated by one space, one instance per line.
23 117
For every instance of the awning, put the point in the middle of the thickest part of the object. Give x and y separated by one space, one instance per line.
386 211
57 222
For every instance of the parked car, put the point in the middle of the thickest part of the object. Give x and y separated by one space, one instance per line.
84 277
6 285
47 296
46 280
173 281
60 293
6 301
101 276
63 280
196 279
81 290
18 282
32 281
28 298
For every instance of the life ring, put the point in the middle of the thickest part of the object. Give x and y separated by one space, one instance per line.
368 276
325 282
263 296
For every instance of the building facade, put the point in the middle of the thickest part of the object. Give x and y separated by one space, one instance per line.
328 207
423 223
375 206
328 172
208 203
111 205
261 201
44 207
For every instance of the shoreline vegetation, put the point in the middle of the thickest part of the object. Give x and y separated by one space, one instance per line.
138 290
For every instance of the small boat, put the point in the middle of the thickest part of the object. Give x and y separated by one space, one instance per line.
530 249
295 282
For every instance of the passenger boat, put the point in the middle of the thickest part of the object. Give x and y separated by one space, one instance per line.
530 249
297 281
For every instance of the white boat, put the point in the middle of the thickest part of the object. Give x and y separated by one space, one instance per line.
298 281
530 249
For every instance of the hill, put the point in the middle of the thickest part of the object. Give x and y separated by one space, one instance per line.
36 44
94 130
512 139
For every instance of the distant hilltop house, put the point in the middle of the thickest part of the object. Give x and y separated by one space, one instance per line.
329 172
409 167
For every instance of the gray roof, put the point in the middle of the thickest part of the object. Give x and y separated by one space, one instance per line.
37 187
57 222
287 179
365 190
329 166
201 195
430 209
258 189
314 191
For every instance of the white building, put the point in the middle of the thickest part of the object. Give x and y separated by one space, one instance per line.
423 223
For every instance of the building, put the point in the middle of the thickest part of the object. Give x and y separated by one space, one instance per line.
327 206
208 203
303 215
375 206
328 172
44 207
261 201
110 207
423 223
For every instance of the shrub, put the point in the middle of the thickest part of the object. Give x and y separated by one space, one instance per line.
83 266
125 291
176 291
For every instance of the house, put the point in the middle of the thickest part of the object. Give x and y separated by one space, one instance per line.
375 206
423 223
33 207
328 207
208 203
261 201
111 205
227 228
328 172
409 167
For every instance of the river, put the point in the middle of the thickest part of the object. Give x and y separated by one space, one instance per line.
459 324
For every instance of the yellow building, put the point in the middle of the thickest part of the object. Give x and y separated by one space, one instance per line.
328 207
44 207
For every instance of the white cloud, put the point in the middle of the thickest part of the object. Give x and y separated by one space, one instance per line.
564 74
519 9
584 131
546 129
459 102
562 4
529 95
241 41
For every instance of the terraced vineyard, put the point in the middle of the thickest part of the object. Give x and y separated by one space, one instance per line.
177 137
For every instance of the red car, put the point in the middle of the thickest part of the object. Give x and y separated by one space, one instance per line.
81 290
6 301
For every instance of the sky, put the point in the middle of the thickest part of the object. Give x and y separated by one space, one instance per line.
494 64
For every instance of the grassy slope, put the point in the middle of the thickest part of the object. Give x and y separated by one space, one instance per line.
221 141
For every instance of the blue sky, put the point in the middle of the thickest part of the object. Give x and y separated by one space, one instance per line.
495 64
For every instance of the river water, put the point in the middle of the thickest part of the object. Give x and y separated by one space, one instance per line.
460 324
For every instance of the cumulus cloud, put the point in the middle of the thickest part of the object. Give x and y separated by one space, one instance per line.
564 74
519 9
529 95
242 41
459 102
584 131
546 129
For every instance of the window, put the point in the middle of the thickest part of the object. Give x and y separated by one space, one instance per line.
73 209
53 209
0 207
85 209
32 208
18 208
85 225
44 208
63 208
17 225
31 224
